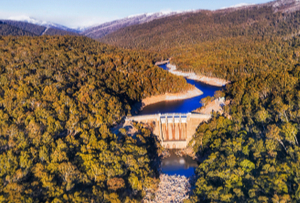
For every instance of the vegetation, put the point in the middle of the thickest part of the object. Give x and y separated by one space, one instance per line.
59 97
239 57
229 44
11 30
35 30
54 31
194 27
29 27
254 156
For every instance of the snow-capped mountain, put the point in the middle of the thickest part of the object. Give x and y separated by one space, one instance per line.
28 19
104 29
109 27
286 5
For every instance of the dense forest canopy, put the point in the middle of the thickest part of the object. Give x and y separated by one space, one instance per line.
238 57
194 27
59 97
252 155
230 43
255 155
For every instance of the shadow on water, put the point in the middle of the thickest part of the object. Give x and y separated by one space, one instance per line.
176 165
181 106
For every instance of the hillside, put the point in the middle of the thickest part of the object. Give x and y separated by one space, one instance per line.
63 100
59 96
194 27
38 30
229 43
110 27
254 155
6 29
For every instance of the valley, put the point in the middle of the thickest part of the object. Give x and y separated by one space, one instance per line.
172 106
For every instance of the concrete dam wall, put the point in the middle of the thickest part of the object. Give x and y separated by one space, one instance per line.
174 131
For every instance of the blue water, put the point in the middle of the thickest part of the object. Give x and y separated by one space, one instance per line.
181 106
175 165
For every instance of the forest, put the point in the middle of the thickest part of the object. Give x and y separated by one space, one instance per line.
61 95
254 156
229 44
194 27
20 28
35 29
6 30
59 98
239 57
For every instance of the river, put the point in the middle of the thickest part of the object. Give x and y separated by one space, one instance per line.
175 164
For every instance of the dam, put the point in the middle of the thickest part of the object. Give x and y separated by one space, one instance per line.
174 130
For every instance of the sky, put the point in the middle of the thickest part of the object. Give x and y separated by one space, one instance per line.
84 13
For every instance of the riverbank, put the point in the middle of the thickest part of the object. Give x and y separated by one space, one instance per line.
161 62
194 92
218 82
214 106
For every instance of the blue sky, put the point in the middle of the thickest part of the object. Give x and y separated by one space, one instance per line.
75 13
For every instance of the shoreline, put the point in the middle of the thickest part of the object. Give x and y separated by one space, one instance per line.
213 81
194 92
215 105
161 62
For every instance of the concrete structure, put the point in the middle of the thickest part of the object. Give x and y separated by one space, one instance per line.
175 131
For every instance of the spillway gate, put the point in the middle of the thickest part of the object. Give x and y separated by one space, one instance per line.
175 130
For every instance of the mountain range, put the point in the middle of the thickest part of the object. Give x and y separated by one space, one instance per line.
63 101
273 18
38 27
11 27
110 27
47 24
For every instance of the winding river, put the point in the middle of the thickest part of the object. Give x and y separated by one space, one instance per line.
175 165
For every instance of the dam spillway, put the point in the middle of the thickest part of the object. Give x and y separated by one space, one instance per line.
174 130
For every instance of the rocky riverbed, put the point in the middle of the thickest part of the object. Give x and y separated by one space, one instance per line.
171 189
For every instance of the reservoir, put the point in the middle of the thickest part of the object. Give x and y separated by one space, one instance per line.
176 165
181 106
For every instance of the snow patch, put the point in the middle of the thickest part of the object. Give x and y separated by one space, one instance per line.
136 15
27 19
238 5
161 13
